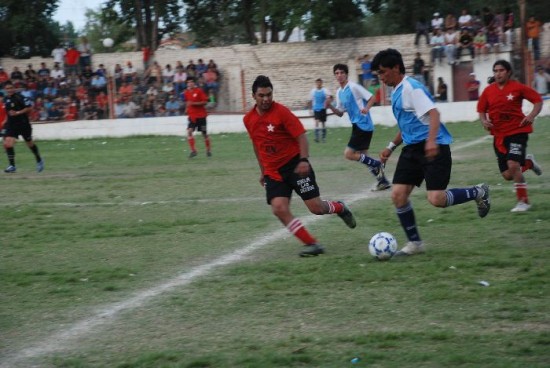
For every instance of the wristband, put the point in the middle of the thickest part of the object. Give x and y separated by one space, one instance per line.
303 159
391 146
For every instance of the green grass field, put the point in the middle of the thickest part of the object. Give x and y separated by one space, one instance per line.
125 253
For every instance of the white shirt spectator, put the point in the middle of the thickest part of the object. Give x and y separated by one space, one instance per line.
57 73
58 55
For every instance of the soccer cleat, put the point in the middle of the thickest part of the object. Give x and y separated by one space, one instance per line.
10 169
208 154
193 154
347 216
521 207
312 250
483 200
382 185
40 166
411 248
536 167
380 173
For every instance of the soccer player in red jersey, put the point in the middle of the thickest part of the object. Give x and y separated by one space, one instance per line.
282 150
195 103
500 112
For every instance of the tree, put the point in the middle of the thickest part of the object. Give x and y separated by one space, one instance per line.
27 25
101 25
151 19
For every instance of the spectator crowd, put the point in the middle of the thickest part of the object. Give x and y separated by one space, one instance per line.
71 89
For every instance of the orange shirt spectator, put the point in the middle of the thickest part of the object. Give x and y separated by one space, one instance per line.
81 93
3 76
126 89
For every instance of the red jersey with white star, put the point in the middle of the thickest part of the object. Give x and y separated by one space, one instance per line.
504 107
274 135
195 95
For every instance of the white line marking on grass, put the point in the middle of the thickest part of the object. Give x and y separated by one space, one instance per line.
61 340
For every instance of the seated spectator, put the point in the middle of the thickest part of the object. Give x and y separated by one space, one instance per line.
4 77
172 106
465 41
191 69
476 22
450 21
16 76
55 113
43 72
153 74
126 89
71 109
57 73
89 112
168 88
152 91
493 39
86 75
50 91
168 74
64 90
441 94
42 114
118 75
30 72
201 67
211 100
98 84
81 94
148 110
422 29
465 20
101 70
541 80
211 80
128 108
480 44
212 64
180 79
73 80
451 39
102 103
473 87
437 43
437 22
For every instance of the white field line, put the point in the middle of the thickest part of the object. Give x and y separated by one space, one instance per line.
61 340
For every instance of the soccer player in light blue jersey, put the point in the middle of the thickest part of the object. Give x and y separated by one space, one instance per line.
357 101
426 154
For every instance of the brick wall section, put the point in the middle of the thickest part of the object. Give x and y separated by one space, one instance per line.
292 67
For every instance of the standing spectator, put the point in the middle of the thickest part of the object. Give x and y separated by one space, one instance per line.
16 76
437 42
196 101
541 80
437 22
366 76
18 124
500 112
357 101
465 41
319 98
451 40
30 72
418 68
58 55
280 145
533 29
146 57
129 72
473 87
441 92
72 61
85 50
480 44
4 77
426 155
422 29
180 82
508 27
118 75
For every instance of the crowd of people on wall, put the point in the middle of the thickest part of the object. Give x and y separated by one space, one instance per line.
70 88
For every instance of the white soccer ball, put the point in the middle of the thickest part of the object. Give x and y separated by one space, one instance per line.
383 246
108 42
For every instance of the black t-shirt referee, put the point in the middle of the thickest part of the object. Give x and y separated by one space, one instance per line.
18 124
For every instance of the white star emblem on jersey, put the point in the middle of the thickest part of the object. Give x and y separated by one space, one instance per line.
510 97
270 128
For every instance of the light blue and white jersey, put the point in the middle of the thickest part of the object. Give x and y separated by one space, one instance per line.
352 99
411 103
318 98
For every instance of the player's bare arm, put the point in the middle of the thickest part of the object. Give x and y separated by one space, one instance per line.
303 167
530 118
392 145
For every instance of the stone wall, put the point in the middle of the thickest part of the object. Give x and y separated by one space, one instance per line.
292 67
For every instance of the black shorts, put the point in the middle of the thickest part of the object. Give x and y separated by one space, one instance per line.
305 186
360 139
199 125
516 148
413 167
16 129
320 115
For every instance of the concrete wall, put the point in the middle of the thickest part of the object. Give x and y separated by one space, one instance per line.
229 123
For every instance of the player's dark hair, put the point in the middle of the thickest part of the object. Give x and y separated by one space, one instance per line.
342 67
261 82
505 64
388 59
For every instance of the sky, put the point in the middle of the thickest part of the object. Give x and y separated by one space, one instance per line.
74 10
